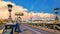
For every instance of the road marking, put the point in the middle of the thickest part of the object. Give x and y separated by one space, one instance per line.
33 30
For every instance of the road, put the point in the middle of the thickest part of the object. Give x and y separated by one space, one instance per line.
30 30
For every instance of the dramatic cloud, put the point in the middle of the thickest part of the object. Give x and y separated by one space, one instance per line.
39 15
4 9
5 14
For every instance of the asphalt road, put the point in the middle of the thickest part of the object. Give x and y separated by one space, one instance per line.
30 30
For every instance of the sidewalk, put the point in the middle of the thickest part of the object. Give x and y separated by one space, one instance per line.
46 29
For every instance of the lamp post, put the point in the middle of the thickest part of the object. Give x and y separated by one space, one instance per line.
31 16
10 25
56 16
10 9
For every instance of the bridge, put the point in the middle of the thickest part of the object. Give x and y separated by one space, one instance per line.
31 29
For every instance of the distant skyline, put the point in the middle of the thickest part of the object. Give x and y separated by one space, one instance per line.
46 6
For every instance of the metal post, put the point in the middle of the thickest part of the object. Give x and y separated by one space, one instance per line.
56 15
10 9
10 19
31 17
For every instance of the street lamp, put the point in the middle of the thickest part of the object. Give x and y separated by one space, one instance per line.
31 17
9 9
56 17
10 25
56 14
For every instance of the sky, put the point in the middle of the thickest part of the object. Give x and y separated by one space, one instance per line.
39 8
45 6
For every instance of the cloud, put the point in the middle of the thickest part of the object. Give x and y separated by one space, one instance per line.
4 9
5 14
37 16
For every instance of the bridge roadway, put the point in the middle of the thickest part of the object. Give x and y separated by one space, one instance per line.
31 30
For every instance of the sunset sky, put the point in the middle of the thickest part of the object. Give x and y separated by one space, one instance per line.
38 8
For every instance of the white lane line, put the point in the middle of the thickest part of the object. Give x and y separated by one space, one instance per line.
33 30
